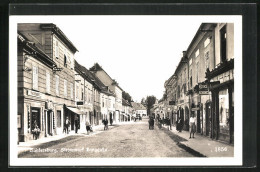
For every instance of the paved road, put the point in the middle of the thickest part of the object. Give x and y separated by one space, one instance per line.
129 140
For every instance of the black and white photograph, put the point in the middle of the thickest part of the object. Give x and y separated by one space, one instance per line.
125 90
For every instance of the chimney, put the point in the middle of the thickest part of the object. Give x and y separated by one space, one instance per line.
183 53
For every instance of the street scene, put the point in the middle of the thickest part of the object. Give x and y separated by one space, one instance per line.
127 140
67 109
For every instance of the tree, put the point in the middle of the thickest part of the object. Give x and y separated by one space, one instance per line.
143 101
150 100
127 97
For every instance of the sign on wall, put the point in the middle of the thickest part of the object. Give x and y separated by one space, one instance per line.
203 89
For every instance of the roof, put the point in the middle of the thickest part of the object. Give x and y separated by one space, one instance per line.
60 34
92 78
138 106
96 67
35 51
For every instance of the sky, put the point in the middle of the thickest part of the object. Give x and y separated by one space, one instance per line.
139 52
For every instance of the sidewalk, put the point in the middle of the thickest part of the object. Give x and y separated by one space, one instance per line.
26 146
203 145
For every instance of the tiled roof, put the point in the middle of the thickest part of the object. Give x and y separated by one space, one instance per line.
138 106
97 67
92 78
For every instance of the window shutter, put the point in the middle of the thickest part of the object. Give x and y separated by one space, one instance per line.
57 51
35 78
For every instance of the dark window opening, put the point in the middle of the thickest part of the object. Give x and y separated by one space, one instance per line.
223 44
65 60
58 118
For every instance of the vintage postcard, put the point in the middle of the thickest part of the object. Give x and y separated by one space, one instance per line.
135 90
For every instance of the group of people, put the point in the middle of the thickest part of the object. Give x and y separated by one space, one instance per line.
179 124
164 121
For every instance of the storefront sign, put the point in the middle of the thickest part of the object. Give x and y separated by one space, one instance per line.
80 103
33 93
203 86
203 92
203 89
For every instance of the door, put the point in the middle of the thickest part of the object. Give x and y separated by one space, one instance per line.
35 118
207 119
72 121
198 121
49 122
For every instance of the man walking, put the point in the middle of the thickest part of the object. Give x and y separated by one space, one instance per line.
67 124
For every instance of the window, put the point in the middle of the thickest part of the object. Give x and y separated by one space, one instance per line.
65 61
57 50
206 42
223 44
57 84
35 78
77 91
198 72
65 88
58 118
82 92
206 59
190 62
191 78
48 80
71 90
197 53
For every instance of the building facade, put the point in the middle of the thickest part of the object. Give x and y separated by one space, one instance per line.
45 79
205 82
112 85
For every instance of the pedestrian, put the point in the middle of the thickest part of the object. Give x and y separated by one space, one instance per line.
192 125
106 121
88 127
168 123
160 123
67 124
149 122
76 125
152 123
111 121
180 124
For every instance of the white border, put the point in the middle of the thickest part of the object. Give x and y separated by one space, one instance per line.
236 160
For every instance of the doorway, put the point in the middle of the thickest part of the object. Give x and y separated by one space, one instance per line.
208 112
198 121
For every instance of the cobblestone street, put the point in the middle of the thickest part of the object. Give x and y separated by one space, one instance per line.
127 140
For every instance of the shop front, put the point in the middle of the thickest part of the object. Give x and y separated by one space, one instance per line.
222 105
75 117
31 116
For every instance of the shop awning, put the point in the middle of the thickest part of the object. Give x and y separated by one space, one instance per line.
75 110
